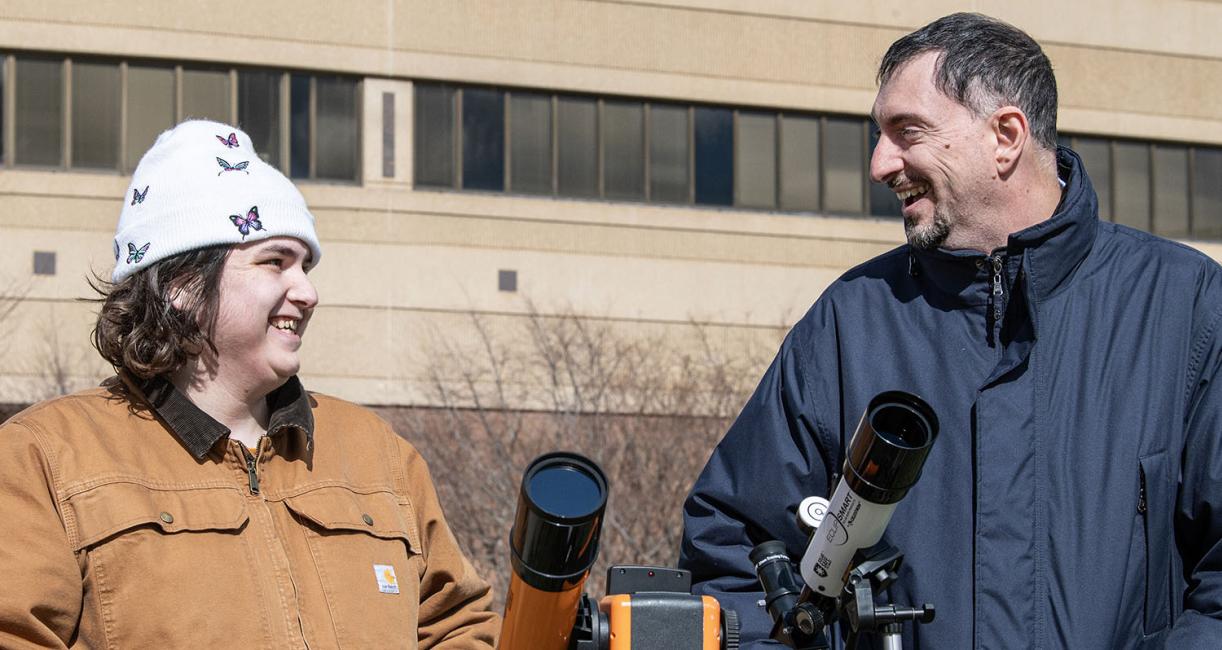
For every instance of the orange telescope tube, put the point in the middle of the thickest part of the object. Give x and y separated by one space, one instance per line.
554 542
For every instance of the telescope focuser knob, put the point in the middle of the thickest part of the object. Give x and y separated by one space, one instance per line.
729 630
811 512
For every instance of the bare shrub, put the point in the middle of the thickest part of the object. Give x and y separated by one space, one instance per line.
647 407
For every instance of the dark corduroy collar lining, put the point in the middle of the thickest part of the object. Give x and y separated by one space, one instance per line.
289 407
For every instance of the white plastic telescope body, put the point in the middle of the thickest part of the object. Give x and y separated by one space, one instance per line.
884 460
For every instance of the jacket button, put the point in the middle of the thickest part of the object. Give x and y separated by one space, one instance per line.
167 517
368 519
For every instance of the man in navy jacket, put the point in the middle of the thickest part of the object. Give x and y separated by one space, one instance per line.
1073 498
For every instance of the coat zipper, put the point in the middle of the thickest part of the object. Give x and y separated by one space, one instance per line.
252 469
998 291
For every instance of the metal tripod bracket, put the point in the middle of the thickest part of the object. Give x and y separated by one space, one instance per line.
874 575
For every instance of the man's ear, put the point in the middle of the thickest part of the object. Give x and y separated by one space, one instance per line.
1011 130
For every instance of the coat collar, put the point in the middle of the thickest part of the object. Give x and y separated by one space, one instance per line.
1049 252
289 408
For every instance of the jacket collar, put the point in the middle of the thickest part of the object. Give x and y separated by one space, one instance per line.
1050 251
289 408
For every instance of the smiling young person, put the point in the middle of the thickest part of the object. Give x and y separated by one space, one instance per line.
1073 497
201 497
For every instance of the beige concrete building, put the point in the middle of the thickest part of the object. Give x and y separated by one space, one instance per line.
643 163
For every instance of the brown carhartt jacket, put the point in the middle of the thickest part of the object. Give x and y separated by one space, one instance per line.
124 528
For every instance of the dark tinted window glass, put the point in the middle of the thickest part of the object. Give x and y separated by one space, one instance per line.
577 167
39 119
843 166
483 139
299 126
388 135
1097 158
95 115
1132 192
150 108
259 112
714 140
335 132
799 163
205 94
755 164
1207 193
624 150
883 202
530 138
668 153
3 83
1171 191
434 136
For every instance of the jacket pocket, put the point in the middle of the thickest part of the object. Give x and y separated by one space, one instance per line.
162 565
366 551
1154 505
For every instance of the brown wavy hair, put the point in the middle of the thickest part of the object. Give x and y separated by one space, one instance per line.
141 331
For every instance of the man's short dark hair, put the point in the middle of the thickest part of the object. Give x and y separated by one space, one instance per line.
984 63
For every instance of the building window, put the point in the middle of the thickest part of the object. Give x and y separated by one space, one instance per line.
577 159
1170 182
668 153
713 131
205 94
623 126
259 111
799 163
1096 156
95 115
104 114
530 137
40 111
843 165
507 280
483 139
150 109
434 136
755 165
1131 193
1207 193
44 262
336 137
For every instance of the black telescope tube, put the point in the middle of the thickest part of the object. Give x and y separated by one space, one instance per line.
554 540
889 448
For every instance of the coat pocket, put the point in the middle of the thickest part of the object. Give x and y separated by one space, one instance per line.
145 546
1154 504
366 551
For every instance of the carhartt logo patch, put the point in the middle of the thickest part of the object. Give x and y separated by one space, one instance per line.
387 582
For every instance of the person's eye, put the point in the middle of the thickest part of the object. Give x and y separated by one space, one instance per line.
274 261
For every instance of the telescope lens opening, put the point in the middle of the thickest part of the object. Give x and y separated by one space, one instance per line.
565 491
900 426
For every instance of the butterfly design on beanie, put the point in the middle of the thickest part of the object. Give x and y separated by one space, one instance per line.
231 141
226 167
249 222
136 254
138 196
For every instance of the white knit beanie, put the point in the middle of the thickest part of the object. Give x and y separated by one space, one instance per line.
199 185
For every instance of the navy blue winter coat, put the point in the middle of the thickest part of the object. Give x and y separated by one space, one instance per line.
1073 498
